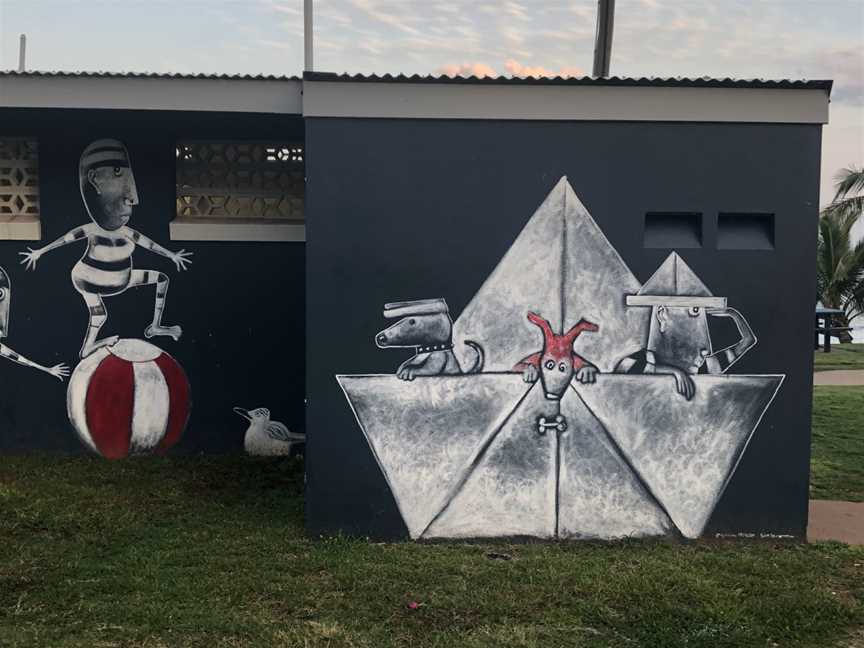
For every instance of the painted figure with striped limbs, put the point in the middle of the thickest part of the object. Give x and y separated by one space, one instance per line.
679 338
109 193
59 371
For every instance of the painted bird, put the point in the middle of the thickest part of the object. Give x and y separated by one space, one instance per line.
265 437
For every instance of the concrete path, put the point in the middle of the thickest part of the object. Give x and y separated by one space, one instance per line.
843 521
839 377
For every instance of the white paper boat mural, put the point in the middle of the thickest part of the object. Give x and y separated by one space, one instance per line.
567 400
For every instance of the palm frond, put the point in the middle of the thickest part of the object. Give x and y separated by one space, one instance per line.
839 261
846 208
849 180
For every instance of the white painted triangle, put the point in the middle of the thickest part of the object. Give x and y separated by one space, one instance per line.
528 278
687 281
675 278
511 490
684 451
563 267
595 280
424 432
599 496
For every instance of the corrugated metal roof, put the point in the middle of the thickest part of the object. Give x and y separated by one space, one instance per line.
149 75
679 82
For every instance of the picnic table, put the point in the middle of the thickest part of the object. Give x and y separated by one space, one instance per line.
824 325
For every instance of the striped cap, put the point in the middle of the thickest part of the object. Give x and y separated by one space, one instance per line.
102 153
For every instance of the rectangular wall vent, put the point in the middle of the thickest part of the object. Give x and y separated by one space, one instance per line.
19 177
240 180
240 191
19 189
673 230
745 231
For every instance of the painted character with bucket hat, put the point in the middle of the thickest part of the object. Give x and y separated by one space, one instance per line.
679 342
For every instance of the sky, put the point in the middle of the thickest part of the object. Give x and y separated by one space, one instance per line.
811 39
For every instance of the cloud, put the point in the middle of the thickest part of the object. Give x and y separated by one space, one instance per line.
512 35
517 69
720 38
447 7
324 14
585 13
683 23
372 45
515 10
467 69
290 8
277 45
846 67
385 15
513 67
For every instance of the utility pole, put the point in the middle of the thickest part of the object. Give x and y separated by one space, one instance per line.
603 42
22 53
307 35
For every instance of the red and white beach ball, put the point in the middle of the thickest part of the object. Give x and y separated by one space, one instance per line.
130 398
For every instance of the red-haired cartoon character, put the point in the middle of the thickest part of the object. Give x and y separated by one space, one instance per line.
557 363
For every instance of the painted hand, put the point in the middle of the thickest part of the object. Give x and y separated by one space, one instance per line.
684 384
59 371
587 374
31 256
529 374
181 259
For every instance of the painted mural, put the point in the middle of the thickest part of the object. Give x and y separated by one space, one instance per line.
59 371
425 326
126 396
109 193
567 400
267 438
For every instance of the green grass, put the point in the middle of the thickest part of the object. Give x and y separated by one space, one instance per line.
842 356
210 552
837 465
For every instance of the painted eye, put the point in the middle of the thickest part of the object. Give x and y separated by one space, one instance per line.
550 364
2 294
118 172
562 367
694 311
412 321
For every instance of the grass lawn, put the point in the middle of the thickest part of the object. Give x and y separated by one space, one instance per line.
837 465
842 356
210 552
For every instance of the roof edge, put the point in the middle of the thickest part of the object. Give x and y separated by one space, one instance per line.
199 93
147 75
667 82
679 82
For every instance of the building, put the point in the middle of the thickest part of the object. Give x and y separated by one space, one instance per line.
651 208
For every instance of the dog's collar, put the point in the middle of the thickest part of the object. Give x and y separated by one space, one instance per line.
435 347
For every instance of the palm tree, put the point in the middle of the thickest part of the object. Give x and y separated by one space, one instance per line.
840 260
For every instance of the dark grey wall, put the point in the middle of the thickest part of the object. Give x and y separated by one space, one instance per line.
420 209
240 305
